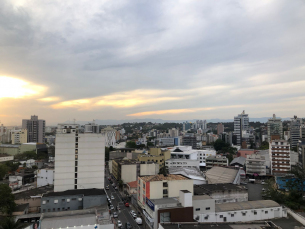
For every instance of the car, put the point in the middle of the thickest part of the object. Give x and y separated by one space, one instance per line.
115 215
107 187
120 224
112 197
132 212
116 188
111 207
126 204
109 178
118 208
134 215
263 189
263 182
111 181
128 225
27 185
138 221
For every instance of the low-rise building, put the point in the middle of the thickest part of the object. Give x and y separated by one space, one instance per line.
245 152
19 136
193 173
160 186
76 199
238 161
128 170
156 155
255 165
279 151
221 175
217 160
259 210
5 157
222 193
45 177
132 187
169 210
181 163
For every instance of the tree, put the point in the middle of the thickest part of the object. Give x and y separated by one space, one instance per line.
264 145
34 167
3 170
7 204
219 144
10 223
163 170
121 183
131 144
295 149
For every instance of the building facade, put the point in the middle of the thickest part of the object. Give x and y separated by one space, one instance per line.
19 136
110 135
45 177
220 128
274 128
255 165
279 152
241 123
295 126
79 159
35 129
216 161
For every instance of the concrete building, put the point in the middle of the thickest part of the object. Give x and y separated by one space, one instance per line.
109 134
223 193
186 126
245 152
274 128
220 128
132 187
302 131
73 200
45 177
169 210
221 175
128 170
50 139
192 173
189 140
19 136
301 151
173 132
9 149
241 123
91 127
160 186
157 155
79 159
295 126
181 163
5 157
279 152
217 160
255 165
35 129
259 210
238 162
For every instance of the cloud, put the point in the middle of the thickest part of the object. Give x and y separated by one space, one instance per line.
49 99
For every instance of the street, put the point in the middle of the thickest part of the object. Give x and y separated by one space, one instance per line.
123 214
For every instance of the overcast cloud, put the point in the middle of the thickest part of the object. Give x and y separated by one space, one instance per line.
152 59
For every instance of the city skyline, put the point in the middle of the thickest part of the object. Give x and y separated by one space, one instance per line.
129 60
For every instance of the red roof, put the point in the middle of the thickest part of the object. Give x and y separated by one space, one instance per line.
132 184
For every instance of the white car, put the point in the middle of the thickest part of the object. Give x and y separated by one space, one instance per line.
134 215
115 215
139 221
120 224
112 197
132 212
111 207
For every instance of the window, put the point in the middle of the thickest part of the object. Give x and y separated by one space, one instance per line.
244 213
75 175
63 209
58 209
76 163
165 217
75 186
221 216
68 208
53 209
63 200
73 198
165 191
165 184
49 210
207 208
47 201
44 210
197 209
76 169
43 202
76 157
232 215
255 213
55 201
266 212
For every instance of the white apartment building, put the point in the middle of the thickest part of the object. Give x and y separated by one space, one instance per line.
279 152
19 136
79 160
45 177
181 163
6 158
274 128
109 134
255 165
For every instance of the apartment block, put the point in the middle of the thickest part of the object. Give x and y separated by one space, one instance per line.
217 160
35 129
241 123
19 136
255 165
79 159
295 135
156 155
160 186
274 128
279 152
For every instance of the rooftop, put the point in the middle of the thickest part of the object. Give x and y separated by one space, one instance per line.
190 172
9 146
133 184
161 177
33 192
219 225
239 160
258 204
202 197
217 175
85 192
209 188
164 201
126 161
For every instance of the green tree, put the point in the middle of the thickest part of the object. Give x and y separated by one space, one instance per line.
219 144
3 170
164 170
264 145
295 149
7 203
34 167
131 144
10 223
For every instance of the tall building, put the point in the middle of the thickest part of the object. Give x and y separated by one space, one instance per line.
295 125
79 159
110 134
279 152
220 128
189 140
274 128
173 132
302 131
19 136
187 126
301 151
35 128
241 123
91 128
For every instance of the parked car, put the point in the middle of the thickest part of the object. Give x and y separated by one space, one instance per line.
128 225
120 224
126 204
132 211
134 215
107 187
263 189
115 215
111 207
112 197
116 188
109 178
139 221
118 207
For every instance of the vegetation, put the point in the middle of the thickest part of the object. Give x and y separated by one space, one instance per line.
7 204
220 144
9 223
3 170
264 146
164 170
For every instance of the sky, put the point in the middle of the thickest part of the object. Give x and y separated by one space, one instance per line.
173 59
